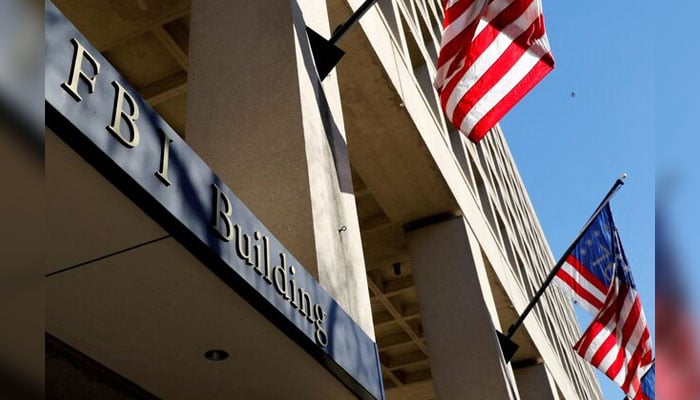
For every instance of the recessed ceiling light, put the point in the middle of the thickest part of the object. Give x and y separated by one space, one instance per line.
216 355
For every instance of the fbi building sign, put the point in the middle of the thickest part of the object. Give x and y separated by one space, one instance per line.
95 111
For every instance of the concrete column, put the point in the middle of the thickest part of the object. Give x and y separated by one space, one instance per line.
465 357
535 383
258 115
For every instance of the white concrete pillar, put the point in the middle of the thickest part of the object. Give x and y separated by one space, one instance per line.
535 383
258 115
465 357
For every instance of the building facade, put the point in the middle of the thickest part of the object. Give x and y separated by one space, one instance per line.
224 224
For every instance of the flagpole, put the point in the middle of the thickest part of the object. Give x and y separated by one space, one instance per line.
507 345
341 30
325 52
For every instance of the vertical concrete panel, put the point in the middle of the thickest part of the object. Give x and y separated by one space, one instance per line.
465 357
244 114
259 116
341 268
535 383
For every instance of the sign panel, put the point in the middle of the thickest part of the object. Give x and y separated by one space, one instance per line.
95 110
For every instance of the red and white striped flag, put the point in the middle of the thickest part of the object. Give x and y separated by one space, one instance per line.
492 53
618 341
596 275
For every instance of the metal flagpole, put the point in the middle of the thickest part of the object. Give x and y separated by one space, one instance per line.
507 345
341 30
326 53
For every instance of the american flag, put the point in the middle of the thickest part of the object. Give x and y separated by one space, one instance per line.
587 271
618 341
492 53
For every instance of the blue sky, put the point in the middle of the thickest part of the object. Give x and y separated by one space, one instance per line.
570 150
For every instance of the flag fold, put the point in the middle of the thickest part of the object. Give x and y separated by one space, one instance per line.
492 53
